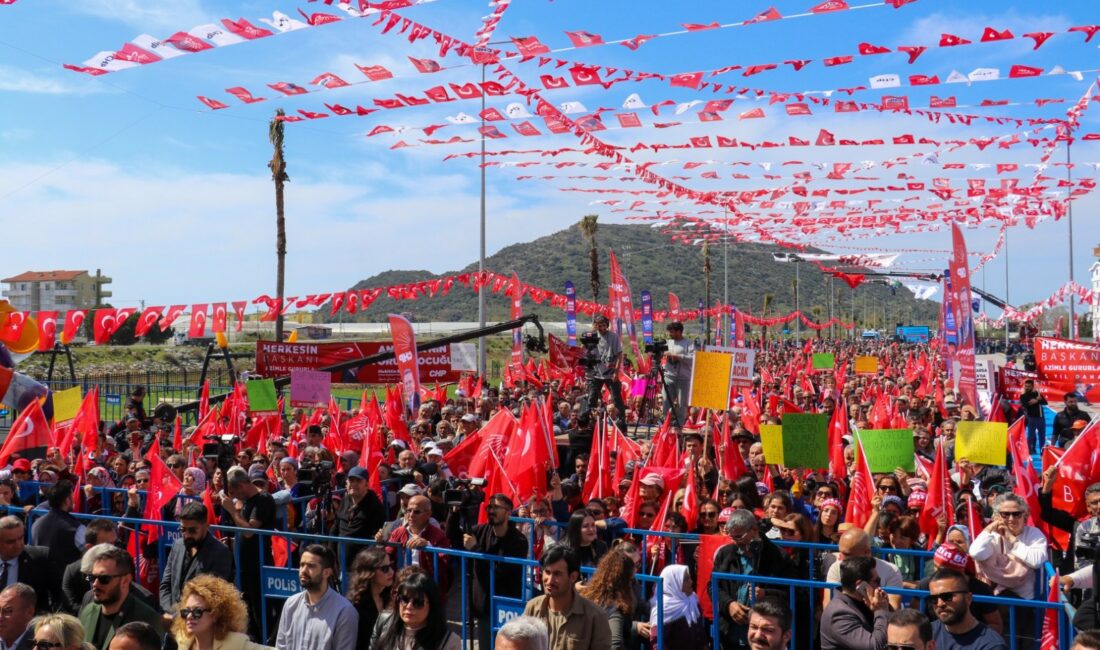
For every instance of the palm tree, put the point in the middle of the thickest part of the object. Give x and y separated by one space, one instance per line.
818 310
589 225
764 314
706 284
278 174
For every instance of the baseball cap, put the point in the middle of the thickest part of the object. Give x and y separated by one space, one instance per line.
1080 424
431 448
653 479
470 417
952 557
724 516
358 472
917 499
21 465
411 490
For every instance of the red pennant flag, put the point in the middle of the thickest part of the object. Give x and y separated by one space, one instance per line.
1039 38
149 317
74 318
771 13
425 66
940 500
530 46
829 6
14 326
163 485
212 103
991 34
170 316
244 95
219 320
187 42
709 545
1051 629
1018 71
584 39
950 40
686 80
238 313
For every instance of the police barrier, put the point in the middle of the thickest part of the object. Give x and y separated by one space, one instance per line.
278 583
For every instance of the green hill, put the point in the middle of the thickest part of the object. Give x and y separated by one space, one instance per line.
651 262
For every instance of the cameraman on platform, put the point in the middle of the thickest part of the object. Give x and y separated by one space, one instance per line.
606 357
677 367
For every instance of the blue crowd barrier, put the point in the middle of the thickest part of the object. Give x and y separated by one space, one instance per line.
279 582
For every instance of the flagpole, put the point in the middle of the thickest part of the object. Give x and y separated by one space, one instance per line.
481 352
1069 215
1006 286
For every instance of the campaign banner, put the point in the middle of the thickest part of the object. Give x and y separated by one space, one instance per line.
710 380
1068 366
276 359
647 317
738 328
571 312
964 320
517 333
744 363
309 388
404 350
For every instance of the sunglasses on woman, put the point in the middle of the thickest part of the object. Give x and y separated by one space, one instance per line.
45 645
416 602
194 613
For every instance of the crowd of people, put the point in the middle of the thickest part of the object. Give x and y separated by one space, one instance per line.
80 577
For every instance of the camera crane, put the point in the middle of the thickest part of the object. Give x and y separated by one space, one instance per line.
533 343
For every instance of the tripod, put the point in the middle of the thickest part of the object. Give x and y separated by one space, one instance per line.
655 381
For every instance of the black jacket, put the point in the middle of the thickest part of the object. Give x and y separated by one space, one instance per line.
56 531
44 576
73 588
212 557
1063 425
770 562
507 580
360 521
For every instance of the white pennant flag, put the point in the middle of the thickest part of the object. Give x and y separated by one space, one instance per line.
462 118
572 107
633 101
767 166
156 46
885 81
107 61
215 34
956 77
515 110
984 74
283 22
686 106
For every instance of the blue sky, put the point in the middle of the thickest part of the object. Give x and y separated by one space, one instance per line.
128 172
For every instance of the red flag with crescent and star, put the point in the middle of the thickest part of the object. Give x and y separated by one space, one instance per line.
30 435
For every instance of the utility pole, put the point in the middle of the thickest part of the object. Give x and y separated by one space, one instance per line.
1069 215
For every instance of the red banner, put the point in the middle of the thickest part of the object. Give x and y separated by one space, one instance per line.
274 359
1068 365
408 365
964 318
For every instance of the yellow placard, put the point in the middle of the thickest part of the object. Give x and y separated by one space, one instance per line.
984 443
771 436
66 403
866 365
710 380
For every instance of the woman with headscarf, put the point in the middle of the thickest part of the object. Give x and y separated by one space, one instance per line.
193 484
679 611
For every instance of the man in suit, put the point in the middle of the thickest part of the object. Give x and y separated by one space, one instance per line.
194 553
58 530
28 564
17 605
114 602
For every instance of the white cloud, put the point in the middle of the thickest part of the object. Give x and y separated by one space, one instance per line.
17 134
17 80
163 15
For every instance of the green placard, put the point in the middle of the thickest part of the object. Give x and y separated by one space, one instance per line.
261 396
824 361
888 449
806 440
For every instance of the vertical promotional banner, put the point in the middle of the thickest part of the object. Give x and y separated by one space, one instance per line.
622 305
702 319
571 312
404 350
964 318
647 317
517 334
673 306
738 328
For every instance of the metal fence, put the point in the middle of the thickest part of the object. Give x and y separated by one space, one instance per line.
280 582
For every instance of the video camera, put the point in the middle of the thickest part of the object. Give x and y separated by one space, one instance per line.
312 476
464 492
657 347
221 449
590 341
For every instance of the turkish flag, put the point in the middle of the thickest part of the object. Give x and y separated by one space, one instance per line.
729 454
104 325
466 91
771 13
825 139
47 329
991 34
1018 71
30 435
686 80
950 40
288 89
868 49
798 108
597 481
170 316
13 326
439 95
238 313
550 82
74 318
198 321
375 72
244 95
219 319
584 75
527 459
1048 640
493 89
1039 38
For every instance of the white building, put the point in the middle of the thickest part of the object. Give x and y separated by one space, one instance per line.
55 290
